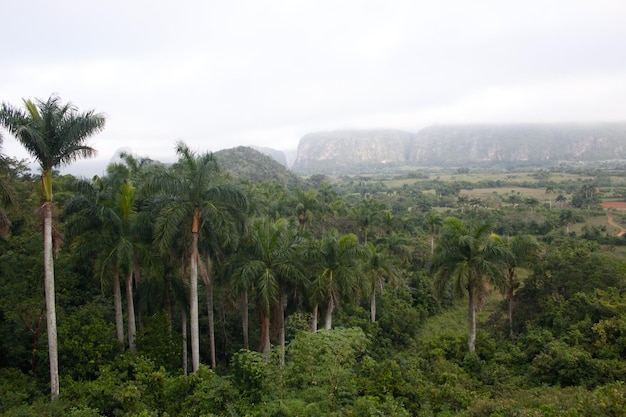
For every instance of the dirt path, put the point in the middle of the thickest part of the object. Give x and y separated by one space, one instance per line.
621 232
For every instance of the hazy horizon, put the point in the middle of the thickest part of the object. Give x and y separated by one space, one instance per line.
218 75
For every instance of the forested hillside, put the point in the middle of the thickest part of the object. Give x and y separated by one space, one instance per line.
203 289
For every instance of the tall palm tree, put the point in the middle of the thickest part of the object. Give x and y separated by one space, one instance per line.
567 217
379 269
433 222
193 194
466 259
367 213
271 263
307 208
109 207
523 252
54 134
338 263
550 190
85 226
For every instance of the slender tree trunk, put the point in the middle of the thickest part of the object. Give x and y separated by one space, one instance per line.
183 319
329 313
193 305
183 323
132 329
136 280
205 272
117 301
265 335
471 320
51 315
314 319
510 297
511 306
281 334
373 306
245 321
211 312
432 244
170 311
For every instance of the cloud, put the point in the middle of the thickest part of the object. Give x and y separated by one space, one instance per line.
220 74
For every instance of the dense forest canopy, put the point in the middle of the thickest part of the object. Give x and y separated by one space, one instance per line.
224 285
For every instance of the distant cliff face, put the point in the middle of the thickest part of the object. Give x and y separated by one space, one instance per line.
338 151
345 148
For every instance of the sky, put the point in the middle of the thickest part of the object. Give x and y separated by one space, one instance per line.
219 74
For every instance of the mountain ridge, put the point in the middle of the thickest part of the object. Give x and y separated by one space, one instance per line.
460 144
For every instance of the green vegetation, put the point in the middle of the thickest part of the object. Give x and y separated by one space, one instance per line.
442 293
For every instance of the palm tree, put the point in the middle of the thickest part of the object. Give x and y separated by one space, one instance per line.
368 212
522 252
307 208
379 269
338 261
85 228
105 212
550 190
433 221
271 263
567 217
192 195
399 246
466 258
54 134
462 200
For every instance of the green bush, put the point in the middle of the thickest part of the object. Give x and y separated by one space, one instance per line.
86 343
131 384
561 364
322 365
367 406
17 388
155 341
249 374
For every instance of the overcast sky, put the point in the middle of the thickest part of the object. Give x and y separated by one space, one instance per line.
218 74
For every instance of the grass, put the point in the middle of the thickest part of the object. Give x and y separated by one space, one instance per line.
453 321
538 193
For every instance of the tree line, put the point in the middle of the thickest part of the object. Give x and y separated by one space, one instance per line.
160 264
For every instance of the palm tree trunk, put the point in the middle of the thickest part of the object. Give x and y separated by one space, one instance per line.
193 305
245 321
51 315
373 306
281 334
208 283
265 334
183 323
314 319
170 312
183 320
136 280
132 329
329 314
471 320
510 296
117 302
